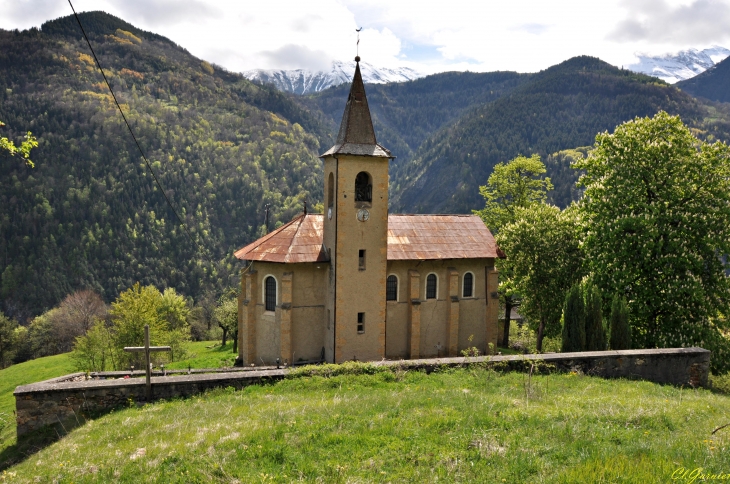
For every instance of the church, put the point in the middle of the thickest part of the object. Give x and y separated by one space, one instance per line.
357 283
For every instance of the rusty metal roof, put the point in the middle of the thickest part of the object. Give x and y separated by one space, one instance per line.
430 237
356 135
410 237
298 241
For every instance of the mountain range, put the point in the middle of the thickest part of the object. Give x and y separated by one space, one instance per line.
90 214
305 81
680 66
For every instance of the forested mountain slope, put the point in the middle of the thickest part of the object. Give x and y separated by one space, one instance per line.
712 84
89 214
405 114
560 108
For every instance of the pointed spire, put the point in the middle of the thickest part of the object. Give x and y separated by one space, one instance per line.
357 125
356 135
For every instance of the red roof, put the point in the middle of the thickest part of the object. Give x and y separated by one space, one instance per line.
430 237
298 241
410 237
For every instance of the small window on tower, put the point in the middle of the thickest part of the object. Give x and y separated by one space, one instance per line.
360 322
331 191
363 188
361 259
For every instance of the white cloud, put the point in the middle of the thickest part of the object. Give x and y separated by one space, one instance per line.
428 35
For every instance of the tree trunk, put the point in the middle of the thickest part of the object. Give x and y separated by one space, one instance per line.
507 314
540 334
225 335
235 341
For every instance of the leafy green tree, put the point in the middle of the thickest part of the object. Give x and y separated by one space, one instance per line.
656 213
620 329
23 150
95 350
7 339
515 185
574 321
145 305
226 315
542 245
595 332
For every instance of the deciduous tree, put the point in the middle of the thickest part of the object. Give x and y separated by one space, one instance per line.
517 184
542 245
656 214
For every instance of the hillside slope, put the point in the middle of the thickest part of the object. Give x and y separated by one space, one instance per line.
560 108
713 84
408 113
461 425
89 213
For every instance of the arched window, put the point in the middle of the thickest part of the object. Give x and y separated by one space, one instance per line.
391 288
467 287
331 191
363 188
270 293
431 283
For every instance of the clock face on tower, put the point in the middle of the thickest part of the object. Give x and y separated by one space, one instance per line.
363 215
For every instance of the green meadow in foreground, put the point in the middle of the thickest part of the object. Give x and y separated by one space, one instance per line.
22 374
201 354
373 425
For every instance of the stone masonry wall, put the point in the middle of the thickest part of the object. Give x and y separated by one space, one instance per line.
67 401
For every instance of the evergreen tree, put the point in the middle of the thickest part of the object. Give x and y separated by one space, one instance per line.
620 329
595 333
574 321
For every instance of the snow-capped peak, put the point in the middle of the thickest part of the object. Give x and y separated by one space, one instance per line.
681 65
305 81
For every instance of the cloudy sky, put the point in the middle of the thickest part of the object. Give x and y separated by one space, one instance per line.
428 35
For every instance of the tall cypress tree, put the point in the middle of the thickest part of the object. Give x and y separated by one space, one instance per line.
574 321
595 334
620 329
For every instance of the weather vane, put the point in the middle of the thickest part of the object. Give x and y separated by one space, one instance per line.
358 43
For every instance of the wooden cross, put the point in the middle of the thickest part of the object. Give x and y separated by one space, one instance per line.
147 349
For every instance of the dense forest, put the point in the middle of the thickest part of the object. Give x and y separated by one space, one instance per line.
89 215
560 108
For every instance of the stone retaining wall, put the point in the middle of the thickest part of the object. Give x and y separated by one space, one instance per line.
67 401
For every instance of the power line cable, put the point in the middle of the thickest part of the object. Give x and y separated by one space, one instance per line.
149 167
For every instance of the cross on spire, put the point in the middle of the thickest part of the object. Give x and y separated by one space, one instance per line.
357 53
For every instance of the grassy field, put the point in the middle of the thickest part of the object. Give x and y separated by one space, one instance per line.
22 374
463 425
206 354
202 354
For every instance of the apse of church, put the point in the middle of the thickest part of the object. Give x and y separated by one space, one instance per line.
356 283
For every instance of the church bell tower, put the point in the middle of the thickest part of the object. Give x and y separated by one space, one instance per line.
356 234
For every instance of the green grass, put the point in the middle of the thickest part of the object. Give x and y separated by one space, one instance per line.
464 425
206 354
22 374
203 354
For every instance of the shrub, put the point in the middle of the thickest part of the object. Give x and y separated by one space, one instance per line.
620 329
595 332
574 321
